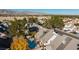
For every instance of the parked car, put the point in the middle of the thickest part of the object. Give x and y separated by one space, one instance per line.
33 29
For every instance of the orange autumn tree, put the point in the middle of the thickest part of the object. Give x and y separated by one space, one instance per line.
19 44
17 30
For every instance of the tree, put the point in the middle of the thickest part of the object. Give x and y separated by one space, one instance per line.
13 28
32 19
55 22
19 44
17 27
47 23
24 21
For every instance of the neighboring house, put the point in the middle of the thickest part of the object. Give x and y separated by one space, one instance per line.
64 43
67 41
69 28
41 21
51 38
53 41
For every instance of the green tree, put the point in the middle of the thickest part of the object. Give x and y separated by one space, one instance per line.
55 22
47 23
13 28
17 27
33 19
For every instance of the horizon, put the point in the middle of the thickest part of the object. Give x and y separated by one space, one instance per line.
52 11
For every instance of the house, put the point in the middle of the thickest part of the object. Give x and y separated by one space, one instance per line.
64 43
67 41
69 27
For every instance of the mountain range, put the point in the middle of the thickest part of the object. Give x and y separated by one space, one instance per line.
14 12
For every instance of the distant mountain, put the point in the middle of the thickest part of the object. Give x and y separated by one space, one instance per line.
5 11
13 12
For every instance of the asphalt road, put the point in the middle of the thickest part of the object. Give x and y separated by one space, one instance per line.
68 34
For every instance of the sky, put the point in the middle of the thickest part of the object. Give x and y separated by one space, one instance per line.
53 11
